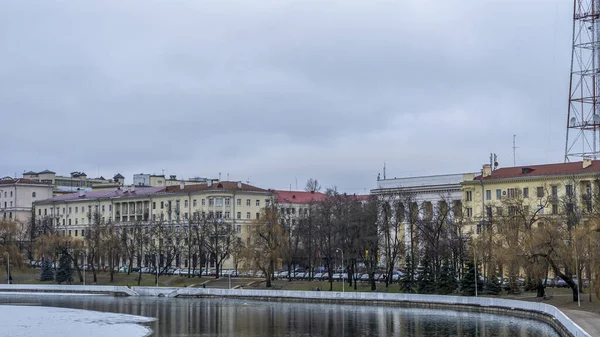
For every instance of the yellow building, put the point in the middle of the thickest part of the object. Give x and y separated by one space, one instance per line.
538 188
236 203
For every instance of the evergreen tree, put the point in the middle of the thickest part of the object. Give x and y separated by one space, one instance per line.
447 283
46 273
65 270
467 283
407 280
425 280
492 286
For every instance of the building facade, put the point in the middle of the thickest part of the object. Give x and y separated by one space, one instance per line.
156 180
234 204
544 189
420 198
17 197
74 182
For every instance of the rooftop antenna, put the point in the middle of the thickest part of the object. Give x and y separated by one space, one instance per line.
296 183
227 176
219 176
384 170
248 181
515 150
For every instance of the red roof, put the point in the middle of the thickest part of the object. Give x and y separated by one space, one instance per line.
543 170
298 197
20 181
216 186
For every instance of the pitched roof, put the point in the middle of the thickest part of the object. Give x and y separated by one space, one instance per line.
118 176
46 171
573 168
216 186
298 197
29 173
105 194
21 181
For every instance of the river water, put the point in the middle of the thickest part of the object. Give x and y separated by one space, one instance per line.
232 317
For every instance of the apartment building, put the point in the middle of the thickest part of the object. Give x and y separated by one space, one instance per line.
18 195
548 189
236 203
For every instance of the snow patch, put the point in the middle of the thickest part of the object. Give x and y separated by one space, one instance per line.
32 321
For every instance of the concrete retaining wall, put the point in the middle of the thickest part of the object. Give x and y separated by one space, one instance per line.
540 311
112 290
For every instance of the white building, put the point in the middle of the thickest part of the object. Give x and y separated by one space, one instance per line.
422 195
18 195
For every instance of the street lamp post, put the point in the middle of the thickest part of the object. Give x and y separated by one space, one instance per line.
343 282
156 269
8 267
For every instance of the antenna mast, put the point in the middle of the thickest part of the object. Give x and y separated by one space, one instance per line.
583 118
515 150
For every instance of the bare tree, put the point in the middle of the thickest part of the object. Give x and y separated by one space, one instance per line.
312 185
219 236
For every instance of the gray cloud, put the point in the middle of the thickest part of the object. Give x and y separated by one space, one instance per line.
277 91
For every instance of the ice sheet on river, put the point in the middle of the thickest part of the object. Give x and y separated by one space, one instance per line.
31 321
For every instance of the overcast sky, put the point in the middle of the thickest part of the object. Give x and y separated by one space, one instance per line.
277 91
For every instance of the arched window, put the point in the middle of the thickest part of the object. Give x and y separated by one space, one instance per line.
33 194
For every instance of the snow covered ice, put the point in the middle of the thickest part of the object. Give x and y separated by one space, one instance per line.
32 321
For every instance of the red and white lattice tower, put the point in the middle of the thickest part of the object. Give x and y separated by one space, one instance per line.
583 120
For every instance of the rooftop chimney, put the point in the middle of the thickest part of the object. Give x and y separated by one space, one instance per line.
209 182
181 185
587 162
239 184
487 170
81 192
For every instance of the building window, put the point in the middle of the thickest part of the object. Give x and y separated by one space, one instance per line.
512 210
76 221
499 211
248 202
11 194
185 204
69 222
82 232
239 215
195 203
469 212
203 202
540 192
257 203
76 210
512 193
162 205
247 215
45 211
554 193
488 211
219 202
554 209
69 232
488 195
227 202
569 190
153 206
239 202
526 192
219 215
211 202
238 228
498 194
75 232
267 203
185 215
227 215
469 196
33 194
39 210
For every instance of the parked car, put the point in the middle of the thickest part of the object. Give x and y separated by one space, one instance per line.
318 276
